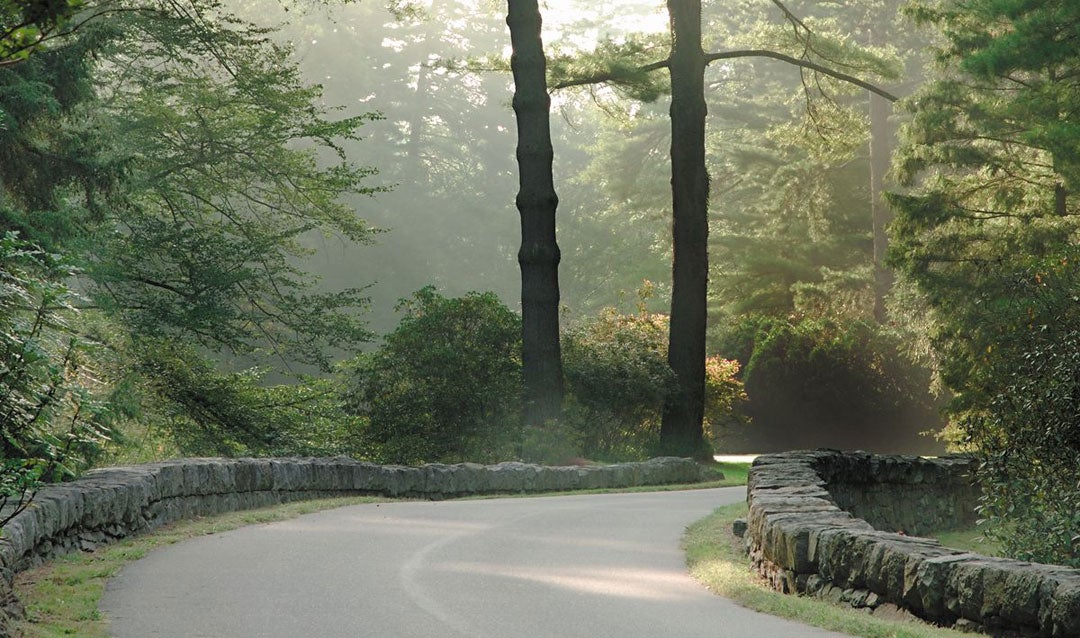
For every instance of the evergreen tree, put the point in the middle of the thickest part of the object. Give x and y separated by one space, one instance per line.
682 432
988 231
539 254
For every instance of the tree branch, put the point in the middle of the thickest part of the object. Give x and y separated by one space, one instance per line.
601 78
806 64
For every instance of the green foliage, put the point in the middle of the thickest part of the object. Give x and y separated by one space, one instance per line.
212 413
987 231
1024 426
51 417
25 25
445 385
174 153
619 63
49 157
618 379
553 443
230 161
821 382
1030 470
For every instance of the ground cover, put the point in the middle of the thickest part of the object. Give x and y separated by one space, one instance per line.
972 539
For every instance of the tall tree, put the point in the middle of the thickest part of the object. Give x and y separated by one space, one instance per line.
988 230
536 202
681 428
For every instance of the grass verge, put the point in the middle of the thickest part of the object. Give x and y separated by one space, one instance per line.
714 556
62 596
972 539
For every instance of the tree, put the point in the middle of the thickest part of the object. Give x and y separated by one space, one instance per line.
536 201
682 428
987 230
175 156
203 239
52 415
443 126
681 431
26 25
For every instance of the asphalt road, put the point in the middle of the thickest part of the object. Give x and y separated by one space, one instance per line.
596 566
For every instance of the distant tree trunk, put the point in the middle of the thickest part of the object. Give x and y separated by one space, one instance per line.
681 430
416 122
536 202
880 150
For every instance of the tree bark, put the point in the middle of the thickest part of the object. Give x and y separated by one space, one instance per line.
681 431
536 202
880 150
881 134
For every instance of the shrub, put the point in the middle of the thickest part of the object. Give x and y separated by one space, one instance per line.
446 383
1018 407
818 382
1029 440
618 378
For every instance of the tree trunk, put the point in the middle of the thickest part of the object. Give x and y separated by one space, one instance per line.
681 430
536 202
881 134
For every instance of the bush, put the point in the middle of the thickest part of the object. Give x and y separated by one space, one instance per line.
1019 404
618 379
1029 439
821 383
446 383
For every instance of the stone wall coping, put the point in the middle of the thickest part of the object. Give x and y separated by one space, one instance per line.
803 538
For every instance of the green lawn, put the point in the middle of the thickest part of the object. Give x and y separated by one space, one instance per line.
972 539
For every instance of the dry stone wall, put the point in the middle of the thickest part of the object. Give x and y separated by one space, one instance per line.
112 503
844 526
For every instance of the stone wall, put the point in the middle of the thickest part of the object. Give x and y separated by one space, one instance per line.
843 526
112 503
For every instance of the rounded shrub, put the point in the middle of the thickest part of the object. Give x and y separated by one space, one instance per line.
445 384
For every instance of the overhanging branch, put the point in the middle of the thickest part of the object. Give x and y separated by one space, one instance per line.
806 64
602 78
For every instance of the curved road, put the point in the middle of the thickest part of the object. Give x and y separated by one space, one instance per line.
591 565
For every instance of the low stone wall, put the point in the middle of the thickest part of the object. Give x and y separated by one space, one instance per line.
112 503
840 525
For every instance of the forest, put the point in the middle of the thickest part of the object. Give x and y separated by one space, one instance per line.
579 231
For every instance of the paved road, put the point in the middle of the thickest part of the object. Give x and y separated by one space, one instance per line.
593 565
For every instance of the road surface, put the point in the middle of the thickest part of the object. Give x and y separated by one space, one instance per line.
596 566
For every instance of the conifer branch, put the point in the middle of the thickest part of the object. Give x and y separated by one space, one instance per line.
605 77
806 64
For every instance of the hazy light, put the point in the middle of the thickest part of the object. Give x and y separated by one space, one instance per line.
580 25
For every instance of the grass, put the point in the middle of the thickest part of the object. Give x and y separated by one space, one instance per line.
714 556
62 596
972 539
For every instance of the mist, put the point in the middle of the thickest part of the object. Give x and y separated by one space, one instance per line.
783 215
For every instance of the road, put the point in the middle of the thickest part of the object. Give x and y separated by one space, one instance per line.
601 566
